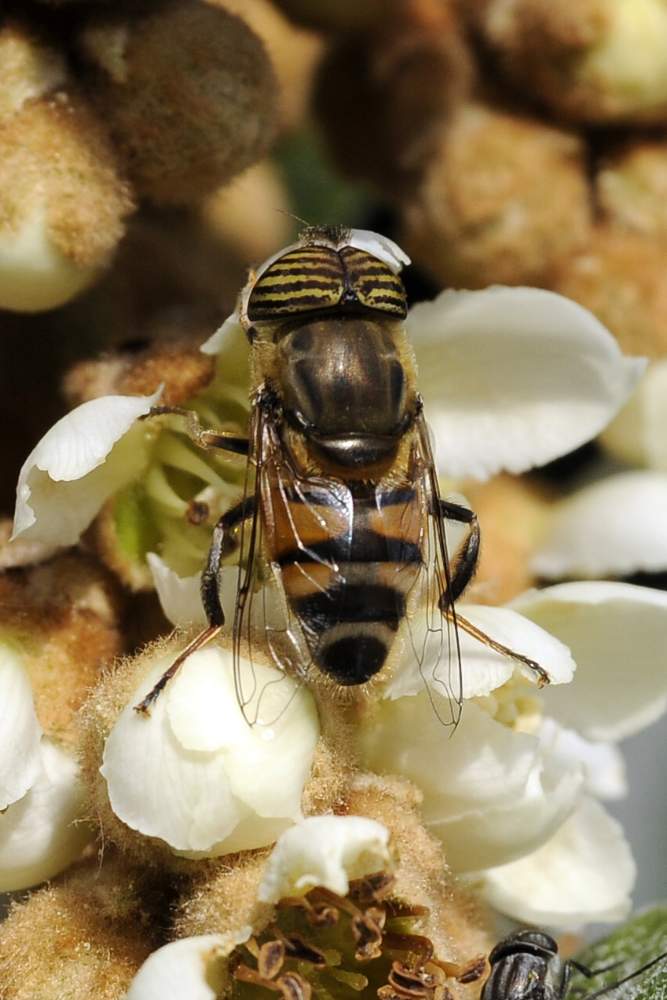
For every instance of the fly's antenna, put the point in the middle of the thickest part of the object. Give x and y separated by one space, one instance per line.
293 215
626 979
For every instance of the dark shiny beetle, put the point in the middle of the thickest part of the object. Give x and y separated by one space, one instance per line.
526 966
342 514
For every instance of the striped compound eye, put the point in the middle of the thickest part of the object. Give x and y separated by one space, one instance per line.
313 278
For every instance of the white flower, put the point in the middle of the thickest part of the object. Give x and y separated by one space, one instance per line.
42 833
20 732
514 377
195 773
194 968
88 455
584 873
617 526
41 797
509 791
618 636
637 434
325 851
491 792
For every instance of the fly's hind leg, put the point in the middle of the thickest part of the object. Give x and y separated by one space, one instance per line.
203 437
467 563
221 545
459 580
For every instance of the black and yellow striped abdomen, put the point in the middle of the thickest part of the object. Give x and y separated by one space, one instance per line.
347 564
313 278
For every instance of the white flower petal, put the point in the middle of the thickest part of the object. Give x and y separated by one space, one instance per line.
191 969
224 336
618 635
637 435
483 670
378 246
491 794
20 732
41 834
585 873
614 527
180 596
603 764
514 377
84 458
195 773
268 761
325 851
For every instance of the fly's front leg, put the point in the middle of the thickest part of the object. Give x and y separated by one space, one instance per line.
203 437
460 579
221 545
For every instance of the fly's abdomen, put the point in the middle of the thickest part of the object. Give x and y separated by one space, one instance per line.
347 572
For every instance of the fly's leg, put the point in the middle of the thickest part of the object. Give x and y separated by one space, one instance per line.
459 581
221 545
467 564
203 437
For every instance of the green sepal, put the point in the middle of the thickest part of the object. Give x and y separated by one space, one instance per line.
134 526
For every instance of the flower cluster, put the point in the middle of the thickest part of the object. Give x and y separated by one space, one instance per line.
294 840
163 104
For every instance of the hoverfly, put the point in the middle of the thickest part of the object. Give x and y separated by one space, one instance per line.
342 501
526 966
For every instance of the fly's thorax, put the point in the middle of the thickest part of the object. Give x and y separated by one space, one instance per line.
344 383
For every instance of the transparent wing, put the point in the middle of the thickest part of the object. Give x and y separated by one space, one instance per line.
291 513
433 634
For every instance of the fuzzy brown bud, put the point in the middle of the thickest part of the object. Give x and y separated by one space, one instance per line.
513 512
83 936
592 61
384 96
336 15
631 188
64 615
62 200
189 95
251 214
620 276
490 207
294 52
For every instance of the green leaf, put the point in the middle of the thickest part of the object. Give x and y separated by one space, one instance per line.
632 946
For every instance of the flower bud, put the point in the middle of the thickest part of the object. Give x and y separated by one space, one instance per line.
631 188
188 93
251 214
620 277
385 96
336 15
63 616
85 936
62 202
489 208
591 61
294 52
513 512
